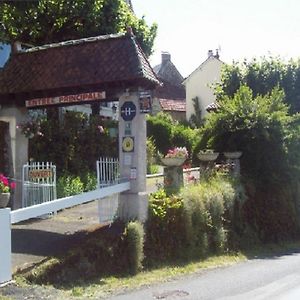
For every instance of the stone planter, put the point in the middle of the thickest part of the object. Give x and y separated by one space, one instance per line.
4 199
173 161
233 155
210 156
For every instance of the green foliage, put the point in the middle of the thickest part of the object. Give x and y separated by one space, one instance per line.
134 238
159 128
68 186
205 217
73 144
261 127
166 134
89 181
103 247
42 22
196 119
262 76
165 230
257 127
151 154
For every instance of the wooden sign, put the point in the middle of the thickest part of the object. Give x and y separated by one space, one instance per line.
69 99
43 173
145 102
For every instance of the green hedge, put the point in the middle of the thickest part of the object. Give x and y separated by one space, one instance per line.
204 218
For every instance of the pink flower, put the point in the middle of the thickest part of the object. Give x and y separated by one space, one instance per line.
101 129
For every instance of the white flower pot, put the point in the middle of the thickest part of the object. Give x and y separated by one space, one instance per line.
210 156
233 155
4 199
173 161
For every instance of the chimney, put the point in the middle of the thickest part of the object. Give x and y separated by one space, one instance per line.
210 53
165 57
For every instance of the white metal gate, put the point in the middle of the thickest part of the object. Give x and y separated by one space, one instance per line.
39 183
108 173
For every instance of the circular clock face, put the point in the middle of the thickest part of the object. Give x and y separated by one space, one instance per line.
128 144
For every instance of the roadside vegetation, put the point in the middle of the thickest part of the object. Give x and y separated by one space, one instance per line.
219 220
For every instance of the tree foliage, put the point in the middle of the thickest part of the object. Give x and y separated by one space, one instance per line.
262 76
48 21
268 136
167 134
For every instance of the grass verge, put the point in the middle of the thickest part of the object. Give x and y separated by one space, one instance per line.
106 283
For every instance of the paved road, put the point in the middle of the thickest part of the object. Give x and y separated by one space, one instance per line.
271 278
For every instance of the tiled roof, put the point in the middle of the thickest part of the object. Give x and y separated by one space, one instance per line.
212 107
170 91
168 72
103 61
172 105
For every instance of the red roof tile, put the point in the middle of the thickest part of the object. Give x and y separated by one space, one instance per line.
172 105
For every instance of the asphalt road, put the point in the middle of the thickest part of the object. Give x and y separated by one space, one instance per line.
269 278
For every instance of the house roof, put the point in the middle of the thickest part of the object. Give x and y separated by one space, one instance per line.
167 70
173 105
170 91
210 58
103 61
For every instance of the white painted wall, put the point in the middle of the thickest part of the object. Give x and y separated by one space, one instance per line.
19 146
198 84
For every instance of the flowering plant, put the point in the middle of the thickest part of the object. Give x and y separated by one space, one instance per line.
5 185
177 152
30 128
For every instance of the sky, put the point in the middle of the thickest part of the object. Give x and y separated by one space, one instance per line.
239 28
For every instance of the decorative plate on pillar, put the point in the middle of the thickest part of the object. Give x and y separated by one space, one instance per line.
128 144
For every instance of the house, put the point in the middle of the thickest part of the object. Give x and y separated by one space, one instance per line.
170 96
199 84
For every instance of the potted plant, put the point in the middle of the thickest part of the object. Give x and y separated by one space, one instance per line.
233 154
5 189
175 157
208 155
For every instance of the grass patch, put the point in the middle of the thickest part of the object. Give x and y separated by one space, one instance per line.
73 275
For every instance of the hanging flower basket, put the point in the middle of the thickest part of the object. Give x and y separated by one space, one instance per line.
173 161
4 199
233 155
208 156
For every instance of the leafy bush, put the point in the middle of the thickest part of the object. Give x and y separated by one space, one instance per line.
166 134
134 238
263 130
89 181
165 230
73 144
151 154
69 185
159 128
201 219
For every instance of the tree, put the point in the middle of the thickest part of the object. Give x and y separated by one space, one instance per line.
196 119
49 21
262 76
261 127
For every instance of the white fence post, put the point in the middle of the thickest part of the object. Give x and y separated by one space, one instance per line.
5 245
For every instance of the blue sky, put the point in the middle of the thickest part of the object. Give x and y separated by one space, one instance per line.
242 29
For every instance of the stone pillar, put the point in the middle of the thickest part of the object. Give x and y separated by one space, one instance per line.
132 153
18 148
173 179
